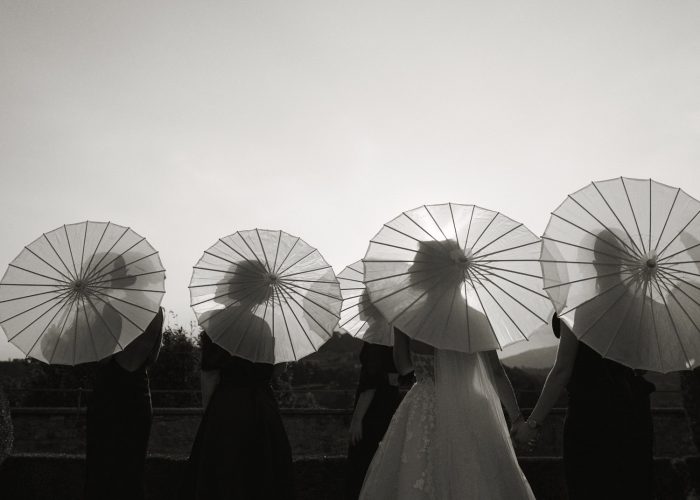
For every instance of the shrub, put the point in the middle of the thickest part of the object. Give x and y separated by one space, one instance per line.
176 370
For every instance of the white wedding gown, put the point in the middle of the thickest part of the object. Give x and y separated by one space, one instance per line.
448 438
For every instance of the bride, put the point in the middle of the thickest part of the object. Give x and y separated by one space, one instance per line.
448 439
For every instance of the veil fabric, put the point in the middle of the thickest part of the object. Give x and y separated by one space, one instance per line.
448 439
474 454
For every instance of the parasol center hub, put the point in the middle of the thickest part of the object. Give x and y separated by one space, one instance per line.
649 266
272 279
79 286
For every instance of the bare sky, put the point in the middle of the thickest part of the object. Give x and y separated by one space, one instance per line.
188 121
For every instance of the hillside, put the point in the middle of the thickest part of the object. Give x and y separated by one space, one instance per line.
535 358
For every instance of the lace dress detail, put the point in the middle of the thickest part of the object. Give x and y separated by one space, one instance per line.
410 434
421 417
423 366
410 465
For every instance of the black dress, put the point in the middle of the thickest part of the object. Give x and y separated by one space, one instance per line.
119 416
608 431
379 373
241 450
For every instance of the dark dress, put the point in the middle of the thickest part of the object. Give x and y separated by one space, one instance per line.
241 450
379 373
608 431
119 416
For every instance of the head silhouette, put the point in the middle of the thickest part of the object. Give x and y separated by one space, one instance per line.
437 264
367 311
87 322
233 323
114 272
245 282
608 257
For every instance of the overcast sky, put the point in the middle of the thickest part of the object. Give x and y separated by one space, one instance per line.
188 121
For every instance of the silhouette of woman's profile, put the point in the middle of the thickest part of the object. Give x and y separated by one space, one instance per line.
241 449
236 320
89 323
445 310
608 430
119 409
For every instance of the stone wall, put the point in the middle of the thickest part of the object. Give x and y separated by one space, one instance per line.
6 429
60 477
319 440
311 432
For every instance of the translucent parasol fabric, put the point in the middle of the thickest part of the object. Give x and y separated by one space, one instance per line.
265 296
621 262
458 277
81 292
358 316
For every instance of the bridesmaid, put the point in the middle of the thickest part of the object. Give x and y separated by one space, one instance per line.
241 450
608 431
376 400
119 418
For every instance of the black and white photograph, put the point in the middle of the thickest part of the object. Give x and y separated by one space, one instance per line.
370 250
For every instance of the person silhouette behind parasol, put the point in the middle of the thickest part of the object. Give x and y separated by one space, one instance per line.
377 395
241 449
608 431
448 438
119 413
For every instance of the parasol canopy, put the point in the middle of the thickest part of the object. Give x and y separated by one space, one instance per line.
458 277
621 262
358 316
265 296
81 292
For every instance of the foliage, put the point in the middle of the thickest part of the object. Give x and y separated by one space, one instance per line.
56 385
320 374
326 379
176 372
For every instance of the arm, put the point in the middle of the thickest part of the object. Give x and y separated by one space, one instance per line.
209 380
155 351
213 358
503 387
402 352
556 380
558 376
145 348
372 375
363 403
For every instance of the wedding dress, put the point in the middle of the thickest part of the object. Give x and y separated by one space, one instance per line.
448 438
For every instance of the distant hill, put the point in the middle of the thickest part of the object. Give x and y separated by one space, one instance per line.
538 353
341 351
339 343
535 358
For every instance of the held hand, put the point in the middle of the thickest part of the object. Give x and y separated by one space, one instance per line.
355 431
524 436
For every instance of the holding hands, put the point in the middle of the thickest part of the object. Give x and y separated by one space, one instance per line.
524 434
